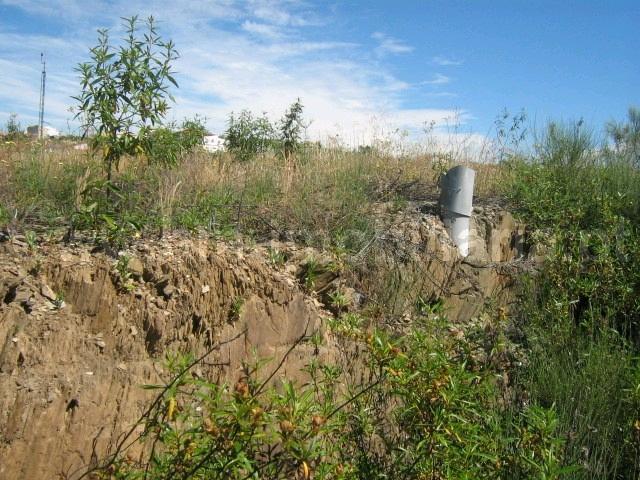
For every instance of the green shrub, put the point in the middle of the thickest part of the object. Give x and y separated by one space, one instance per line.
291 127
422 413
581 314
13 128
167 145
246 136
626 136
571 182
124 90
590 382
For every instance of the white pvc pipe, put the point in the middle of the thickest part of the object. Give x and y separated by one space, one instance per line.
456 198
458 228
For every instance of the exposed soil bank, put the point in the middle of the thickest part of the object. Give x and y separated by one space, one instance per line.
75 346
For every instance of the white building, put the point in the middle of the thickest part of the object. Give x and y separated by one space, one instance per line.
49 132
213 143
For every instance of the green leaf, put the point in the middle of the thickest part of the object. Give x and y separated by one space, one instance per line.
171 79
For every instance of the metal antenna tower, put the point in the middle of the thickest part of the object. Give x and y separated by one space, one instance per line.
42 85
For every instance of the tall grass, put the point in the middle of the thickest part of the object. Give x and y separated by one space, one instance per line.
581 314
324 198
39 187
588 383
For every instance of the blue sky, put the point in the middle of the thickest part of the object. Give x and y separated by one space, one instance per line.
362 69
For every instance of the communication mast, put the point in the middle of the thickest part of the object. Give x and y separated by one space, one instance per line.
42 85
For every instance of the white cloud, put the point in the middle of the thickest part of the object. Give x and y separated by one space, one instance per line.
438 79
445 62
276 16
442 94
262 29
234 55
390 45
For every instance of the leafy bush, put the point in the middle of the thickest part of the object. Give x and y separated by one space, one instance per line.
291 127
587 198
582 313
123 98
13 128
246 136
626 136
166 145
191 133
424 413
571 182
102 208
124 91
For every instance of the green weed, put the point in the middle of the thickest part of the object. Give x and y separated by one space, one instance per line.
125 281
421 414
236 309
580 315
277 258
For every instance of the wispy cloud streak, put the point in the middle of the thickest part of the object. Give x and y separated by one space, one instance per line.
438 79
389 45
446 62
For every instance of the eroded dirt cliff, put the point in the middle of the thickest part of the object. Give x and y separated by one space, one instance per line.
79 336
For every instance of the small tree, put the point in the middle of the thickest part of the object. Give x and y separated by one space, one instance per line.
14 130
191 133
626 136
124 91
247 136
167 145
291 127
